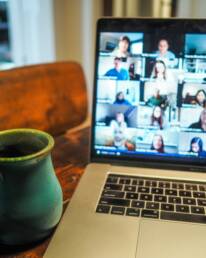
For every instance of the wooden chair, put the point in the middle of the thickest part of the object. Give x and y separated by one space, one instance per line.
50 97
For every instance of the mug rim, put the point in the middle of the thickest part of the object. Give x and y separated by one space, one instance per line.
37 154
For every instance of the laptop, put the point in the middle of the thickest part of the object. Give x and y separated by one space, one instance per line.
143 195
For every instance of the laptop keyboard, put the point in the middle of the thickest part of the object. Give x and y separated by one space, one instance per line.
153 198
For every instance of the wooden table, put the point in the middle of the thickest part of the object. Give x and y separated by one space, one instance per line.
70 156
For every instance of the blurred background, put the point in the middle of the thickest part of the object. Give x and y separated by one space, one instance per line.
38 31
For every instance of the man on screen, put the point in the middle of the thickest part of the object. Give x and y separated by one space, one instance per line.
118 72
164 54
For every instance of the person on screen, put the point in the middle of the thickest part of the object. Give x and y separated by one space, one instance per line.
120 99
121 50
200 97
196 146
189 99
159 70
157 117
132 74
118 127
164 81
201 124
165 54
157 143
118 72
157 100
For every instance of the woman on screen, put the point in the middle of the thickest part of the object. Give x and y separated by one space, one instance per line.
158 143
201 124
121 50
163 80
120 99
157 117
159 70
196 146
200 97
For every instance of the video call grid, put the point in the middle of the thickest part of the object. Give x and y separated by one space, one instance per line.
140 88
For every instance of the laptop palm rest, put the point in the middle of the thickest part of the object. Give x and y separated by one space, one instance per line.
162 239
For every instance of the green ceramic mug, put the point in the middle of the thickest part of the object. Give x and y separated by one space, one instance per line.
30 194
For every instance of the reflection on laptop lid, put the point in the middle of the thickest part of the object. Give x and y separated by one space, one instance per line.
150 91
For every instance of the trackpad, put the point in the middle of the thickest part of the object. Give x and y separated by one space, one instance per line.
162 239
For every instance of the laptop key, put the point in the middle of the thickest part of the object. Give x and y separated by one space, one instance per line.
131 196
189 201
118 210
146 197
114 201
103 209
199 194
143 189
133 212
154 214
177 216
110 193
185 193
157 191
174 200
152 205
198 210
171 192
130 188
201 202
138 204
160 198
113 187
182 208
167 207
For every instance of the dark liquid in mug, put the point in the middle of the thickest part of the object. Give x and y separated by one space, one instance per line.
18 150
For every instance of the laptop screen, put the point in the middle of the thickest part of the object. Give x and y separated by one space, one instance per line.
150 91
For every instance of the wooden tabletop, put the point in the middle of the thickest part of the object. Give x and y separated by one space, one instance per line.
70 156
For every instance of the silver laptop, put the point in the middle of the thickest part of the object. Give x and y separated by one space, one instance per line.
144 193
